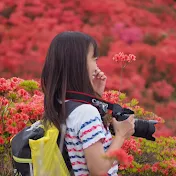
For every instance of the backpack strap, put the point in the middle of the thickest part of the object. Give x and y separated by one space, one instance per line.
70 106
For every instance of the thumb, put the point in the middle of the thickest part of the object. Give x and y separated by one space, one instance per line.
131 118
114 120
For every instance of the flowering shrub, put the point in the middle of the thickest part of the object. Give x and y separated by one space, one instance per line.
28 27
141 157
21 103
146 158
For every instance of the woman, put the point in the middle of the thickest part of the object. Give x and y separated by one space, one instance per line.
71 65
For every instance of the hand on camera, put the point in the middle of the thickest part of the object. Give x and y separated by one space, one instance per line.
125 128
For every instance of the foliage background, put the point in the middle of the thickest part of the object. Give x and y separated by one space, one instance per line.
144 28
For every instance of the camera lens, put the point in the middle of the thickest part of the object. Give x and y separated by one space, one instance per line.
145 129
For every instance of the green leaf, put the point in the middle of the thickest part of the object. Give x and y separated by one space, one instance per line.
122 96
134 102
29 85
12 96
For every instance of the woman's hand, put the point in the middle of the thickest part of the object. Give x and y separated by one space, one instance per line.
125 128
99 81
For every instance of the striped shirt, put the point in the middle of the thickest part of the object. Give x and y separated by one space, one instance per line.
84 128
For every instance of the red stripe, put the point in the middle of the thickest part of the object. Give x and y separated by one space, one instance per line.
89 130
78 162
74 150
69 136
107 140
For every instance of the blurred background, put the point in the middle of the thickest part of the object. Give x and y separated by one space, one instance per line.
145 28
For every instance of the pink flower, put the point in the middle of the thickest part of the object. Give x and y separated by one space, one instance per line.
119 155
22 92
4 85
1 140
154 169
163 89
131 145
121 57
1 129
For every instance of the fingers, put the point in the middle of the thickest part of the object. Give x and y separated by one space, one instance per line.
131 118
132 121
99 74
113 119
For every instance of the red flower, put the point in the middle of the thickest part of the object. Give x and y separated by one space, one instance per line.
4 85
22 92
3 101
1 140
1 129
121 57
146 167
24 117
12 124
111 96
119 155
14 82
131 145
155 167
12 130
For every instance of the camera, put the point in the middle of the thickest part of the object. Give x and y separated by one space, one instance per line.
143 128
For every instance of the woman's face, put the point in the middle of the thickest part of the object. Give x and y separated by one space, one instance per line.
91 62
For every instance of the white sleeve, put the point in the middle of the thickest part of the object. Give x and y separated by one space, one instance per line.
89 125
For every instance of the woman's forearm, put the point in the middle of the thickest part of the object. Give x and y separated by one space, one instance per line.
117 143
104 165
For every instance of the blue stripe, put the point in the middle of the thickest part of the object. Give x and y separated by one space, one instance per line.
106 147
87 123
88 139
70 129
81 169
108 132
71 143
84 141
77 156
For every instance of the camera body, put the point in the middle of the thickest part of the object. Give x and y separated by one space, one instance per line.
143 128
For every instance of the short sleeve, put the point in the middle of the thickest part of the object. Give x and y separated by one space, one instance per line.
90 126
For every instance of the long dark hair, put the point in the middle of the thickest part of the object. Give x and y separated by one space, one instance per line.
65 69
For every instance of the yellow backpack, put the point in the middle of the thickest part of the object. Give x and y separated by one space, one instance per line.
36 153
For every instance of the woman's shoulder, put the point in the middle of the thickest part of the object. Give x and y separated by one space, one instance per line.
86 109
83 113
